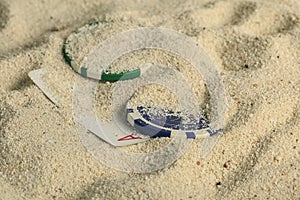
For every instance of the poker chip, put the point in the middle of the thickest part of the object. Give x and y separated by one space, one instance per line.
80 43
158 122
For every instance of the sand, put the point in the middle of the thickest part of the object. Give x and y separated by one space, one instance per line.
254 45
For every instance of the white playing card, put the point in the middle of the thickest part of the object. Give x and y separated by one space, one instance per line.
37 77
107 131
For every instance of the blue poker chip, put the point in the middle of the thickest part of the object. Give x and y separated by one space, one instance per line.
158 122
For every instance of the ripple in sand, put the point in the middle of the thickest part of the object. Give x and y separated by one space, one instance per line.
3 15
243 11
271 19
6 112
226 13
221 10
242 52
242 113
287 22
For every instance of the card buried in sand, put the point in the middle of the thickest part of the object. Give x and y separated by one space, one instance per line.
118 131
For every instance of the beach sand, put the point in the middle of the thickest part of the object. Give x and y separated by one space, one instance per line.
254 44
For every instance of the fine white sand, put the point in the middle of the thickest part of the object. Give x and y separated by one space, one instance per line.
254 44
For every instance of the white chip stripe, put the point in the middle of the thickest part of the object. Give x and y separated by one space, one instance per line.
190 134
86 72
131 117
75 66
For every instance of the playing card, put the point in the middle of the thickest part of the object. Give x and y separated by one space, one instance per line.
107 131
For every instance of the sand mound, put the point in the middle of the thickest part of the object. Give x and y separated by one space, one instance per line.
3 15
